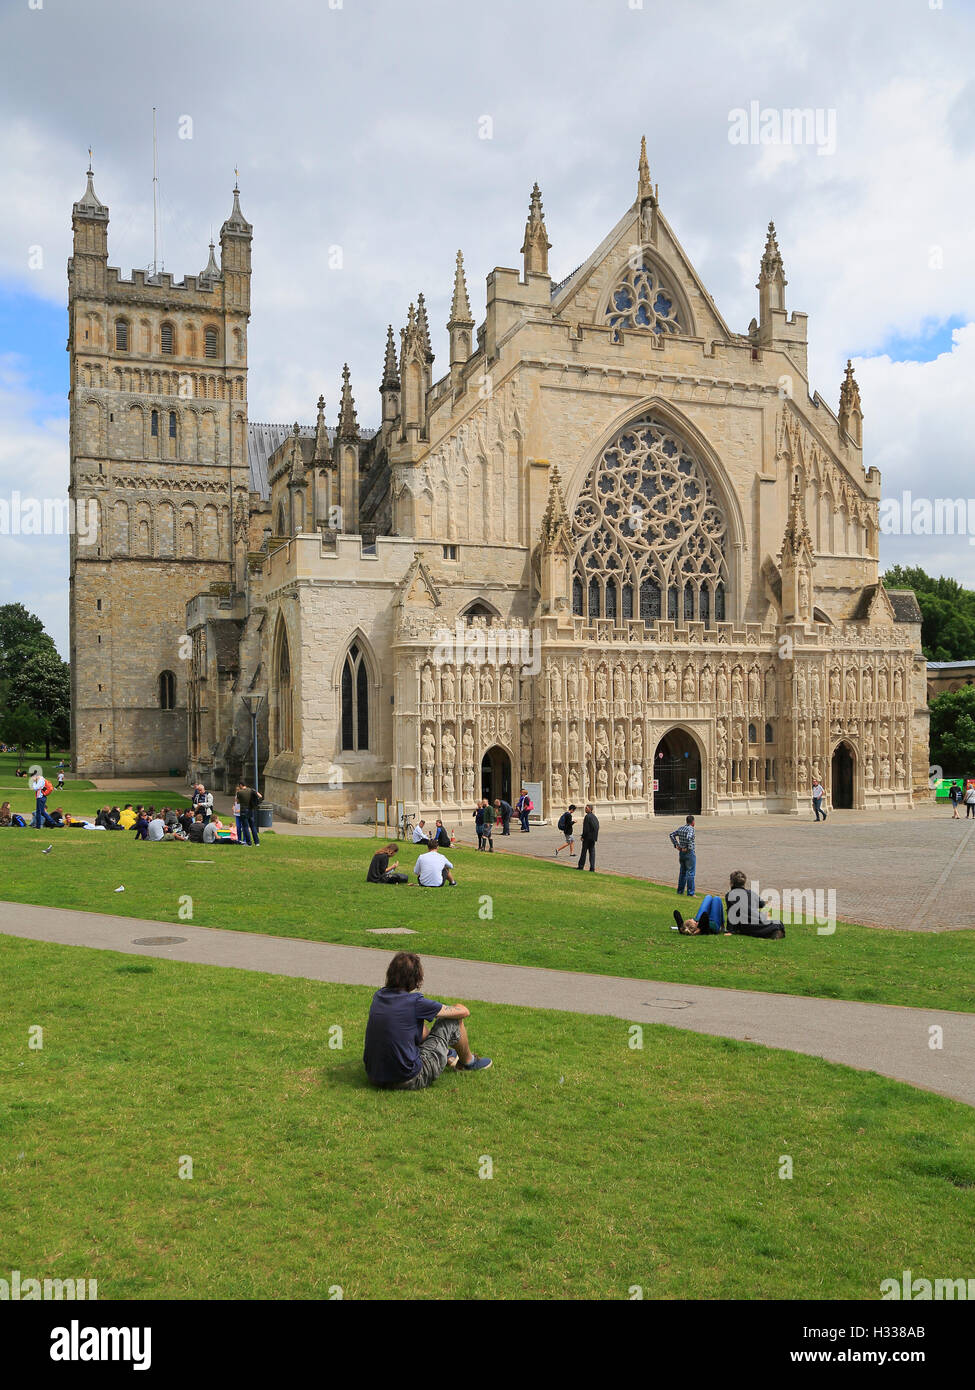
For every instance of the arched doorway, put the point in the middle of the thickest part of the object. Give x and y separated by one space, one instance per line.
676 775
841 778
496 775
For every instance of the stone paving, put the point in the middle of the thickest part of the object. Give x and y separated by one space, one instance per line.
912 869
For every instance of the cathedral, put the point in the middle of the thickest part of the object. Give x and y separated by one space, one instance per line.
615 552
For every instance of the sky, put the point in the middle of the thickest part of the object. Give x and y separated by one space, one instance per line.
398 131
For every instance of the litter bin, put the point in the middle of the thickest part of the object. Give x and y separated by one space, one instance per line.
265 818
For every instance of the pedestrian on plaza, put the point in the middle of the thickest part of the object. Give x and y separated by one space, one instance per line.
683 841
565 825
970 801
42 789
524 808
954 796
505 809
250 799
818 793
61 778
485 827
590 834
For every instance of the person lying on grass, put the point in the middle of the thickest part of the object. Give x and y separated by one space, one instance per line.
708 922
403 1052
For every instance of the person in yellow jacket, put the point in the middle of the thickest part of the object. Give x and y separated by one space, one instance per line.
127 819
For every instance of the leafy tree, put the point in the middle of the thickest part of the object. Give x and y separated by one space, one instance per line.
42 682
22 728
947 612
20 631
953 732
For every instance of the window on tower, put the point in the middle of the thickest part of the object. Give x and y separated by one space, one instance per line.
166 338
167 690
211 342
121 335
172 424
154 424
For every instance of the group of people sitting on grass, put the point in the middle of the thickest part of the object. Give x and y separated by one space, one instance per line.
744 916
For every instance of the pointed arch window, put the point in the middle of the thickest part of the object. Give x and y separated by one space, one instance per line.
355 701
210 342
644 299
167 690
121 335
284 718
167 338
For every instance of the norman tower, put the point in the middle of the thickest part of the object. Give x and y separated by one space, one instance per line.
158 411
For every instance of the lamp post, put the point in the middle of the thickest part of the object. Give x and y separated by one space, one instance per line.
253 700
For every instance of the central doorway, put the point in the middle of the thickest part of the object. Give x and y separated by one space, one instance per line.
496 775
676 775
841 779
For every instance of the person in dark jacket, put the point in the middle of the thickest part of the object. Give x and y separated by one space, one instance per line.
382 869
142 825
590 834
507 811
441 839
745 915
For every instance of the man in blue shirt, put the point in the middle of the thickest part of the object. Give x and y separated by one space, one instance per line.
683 841
403 1052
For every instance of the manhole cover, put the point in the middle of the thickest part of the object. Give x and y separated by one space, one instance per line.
157 940
391 931
667 1003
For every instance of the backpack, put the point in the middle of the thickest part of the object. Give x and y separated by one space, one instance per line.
48 789
563 822
529 804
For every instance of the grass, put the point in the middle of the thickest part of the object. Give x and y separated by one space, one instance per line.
506 909
612 1167
77 797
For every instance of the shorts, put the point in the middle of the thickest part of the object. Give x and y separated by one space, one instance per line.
433 1054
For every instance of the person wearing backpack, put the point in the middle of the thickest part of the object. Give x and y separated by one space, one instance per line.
565 825
954 796
42 789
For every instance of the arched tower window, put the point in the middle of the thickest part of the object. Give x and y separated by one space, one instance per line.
643 298
284 714
167 690
121 335
154 424
167 338
210 342
355 701
649 519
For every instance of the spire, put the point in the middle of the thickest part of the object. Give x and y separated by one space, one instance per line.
796 531
90 205
390 380
236 224
460 309
771 259
556 530
348 430
536 246
423 328
323 453
212 271
297 476
644 187
851 414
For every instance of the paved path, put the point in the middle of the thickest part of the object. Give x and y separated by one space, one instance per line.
871 1037
910 869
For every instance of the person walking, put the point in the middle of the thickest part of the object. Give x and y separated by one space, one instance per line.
590 834
683 841
524 808
954 796
487 826
565 825
42 789
970 801
506 810
818 793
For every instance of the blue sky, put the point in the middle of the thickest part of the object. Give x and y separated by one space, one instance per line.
360 126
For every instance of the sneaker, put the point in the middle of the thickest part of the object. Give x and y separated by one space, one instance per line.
476 1064
678 919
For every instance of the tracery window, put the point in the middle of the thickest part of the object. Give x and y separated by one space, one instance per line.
643 299
649 524
355 701
284 728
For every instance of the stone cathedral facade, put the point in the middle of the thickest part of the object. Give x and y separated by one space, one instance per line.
617 549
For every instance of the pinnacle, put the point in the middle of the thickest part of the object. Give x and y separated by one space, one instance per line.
348 430
390 368
644 186
460 309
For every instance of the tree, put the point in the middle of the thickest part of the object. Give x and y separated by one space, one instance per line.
947 612
42 682
22 728
20 631
953 732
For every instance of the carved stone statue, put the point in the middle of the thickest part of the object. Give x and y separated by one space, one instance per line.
834 684
487 685
688 687
602 743
619 685
620 782
637 743
556 744
428 786
447 683
602 782
427 691
898 683
573 783
707 685
851 684
572 687
754 686
619 744
803 746
573 743
448 750
670 684
868 684
803 594
426 750
722 684
801 690
507 685
636 779
467 685
468 783
555 680
737 691
653 685
814 689
636 686
602 683
526 748
557 793
468 745
883 687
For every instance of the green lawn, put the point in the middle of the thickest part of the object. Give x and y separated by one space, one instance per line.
611 1167
506 909
78 797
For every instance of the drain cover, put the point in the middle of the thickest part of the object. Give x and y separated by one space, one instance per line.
667 1003
391 931
157 940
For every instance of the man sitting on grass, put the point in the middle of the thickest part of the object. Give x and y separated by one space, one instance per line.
433 869
745 915
403 1052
